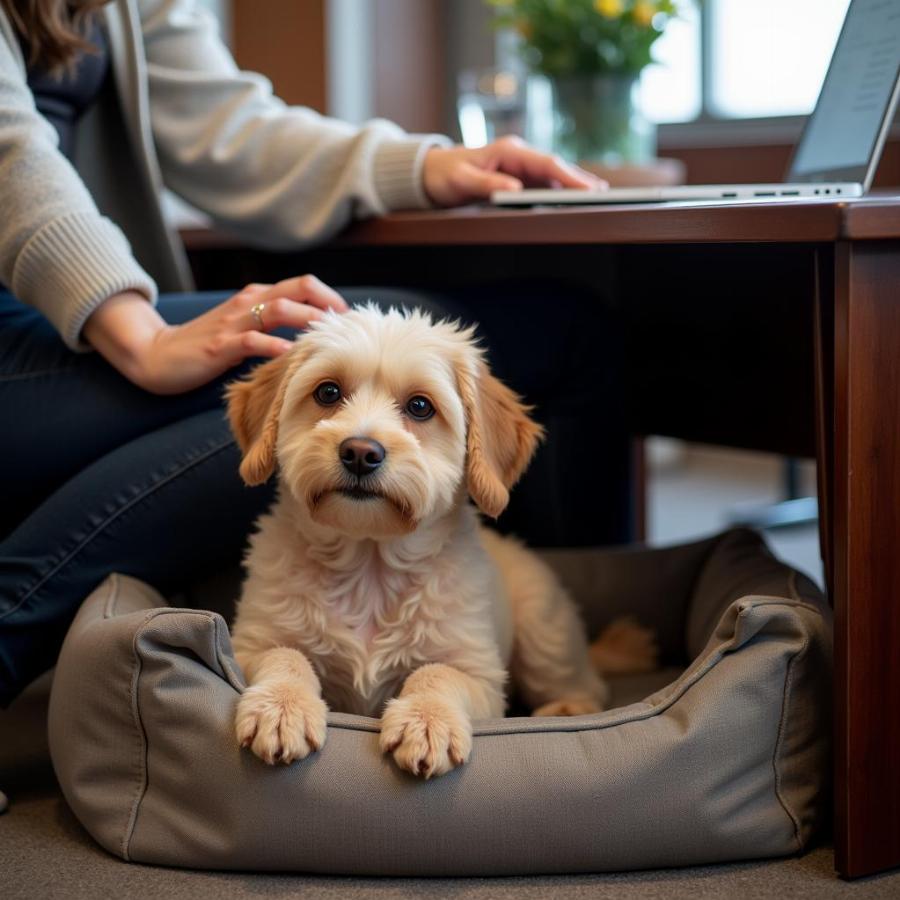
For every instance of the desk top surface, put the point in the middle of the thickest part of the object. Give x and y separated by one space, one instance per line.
874 217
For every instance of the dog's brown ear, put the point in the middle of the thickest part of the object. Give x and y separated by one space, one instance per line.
254 405
500 440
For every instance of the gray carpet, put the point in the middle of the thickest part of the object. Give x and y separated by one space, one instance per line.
44 853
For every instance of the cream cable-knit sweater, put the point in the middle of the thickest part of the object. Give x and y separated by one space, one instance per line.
282 176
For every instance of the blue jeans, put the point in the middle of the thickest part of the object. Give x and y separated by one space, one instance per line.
98 475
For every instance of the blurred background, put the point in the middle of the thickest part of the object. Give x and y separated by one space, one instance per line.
646 91
726 93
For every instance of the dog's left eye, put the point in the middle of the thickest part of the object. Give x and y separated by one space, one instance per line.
327 393
420 408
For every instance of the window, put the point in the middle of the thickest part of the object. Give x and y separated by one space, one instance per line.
762 58
787 47
672 90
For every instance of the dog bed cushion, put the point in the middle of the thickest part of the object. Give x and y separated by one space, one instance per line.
726 761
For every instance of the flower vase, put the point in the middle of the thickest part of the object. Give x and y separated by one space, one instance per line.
597 118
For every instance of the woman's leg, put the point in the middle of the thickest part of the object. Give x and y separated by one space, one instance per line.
100 476
60 411
167 508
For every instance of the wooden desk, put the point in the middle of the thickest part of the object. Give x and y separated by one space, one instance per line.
815 285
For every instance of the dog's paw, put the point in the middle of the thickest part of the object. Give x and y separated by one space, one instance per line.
281 722
624 648
426 736
569 706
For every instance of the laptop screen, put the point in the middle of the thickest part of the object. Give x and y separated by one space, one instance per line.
844 134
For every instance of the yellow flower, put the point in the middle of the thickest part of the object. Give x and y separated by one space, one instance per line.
644 12
525 28
609 9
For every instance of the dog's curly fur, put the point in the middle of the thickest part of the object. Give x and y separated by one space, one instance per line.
393 600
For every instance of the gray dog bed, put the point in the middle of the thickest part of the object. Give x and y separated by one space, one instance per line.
726 759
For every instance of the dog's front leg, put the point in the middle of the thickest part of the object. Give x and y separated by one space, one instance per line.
428 727
281 716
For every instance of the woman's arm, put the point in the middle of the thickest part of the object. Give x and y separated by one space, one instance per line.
57 252
279 175
285 175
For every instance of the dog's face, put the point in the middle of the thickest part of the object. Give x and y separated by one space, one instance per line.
376 420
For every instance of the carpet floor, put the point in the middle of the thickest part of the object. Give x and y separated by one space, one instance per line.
45 855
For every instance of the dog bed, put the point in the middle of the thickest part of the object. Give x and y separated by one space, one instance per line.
727 760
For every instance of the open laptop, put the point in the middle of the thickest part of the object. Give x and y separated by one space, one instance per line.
841 145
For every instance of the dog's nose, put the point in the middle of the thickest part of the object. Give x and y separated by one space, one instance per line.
361 456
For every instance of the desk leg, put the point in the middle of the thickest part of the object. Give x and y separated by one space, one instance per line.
866 561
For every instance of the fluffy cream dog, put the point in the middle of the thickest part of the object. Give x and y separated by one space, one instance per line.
371 585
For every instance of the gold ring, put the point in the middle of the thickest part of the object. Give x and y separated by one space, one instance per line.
256 311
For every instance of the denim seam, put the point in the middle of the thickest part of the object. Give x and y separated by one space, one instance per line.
110 519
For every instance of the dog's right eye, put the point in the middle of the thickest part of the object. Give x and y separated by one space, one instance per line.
327 393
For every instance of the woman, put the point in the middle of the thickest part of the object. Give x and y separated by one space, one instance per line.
115 451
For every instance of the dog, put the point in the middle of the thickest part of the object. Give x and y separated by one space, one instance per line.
372 586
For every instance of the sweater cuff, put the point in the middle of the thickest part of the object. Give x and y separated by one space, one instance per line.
398 171
71 266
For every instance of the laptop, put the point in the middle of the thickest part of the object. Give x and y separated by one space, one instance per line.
840 146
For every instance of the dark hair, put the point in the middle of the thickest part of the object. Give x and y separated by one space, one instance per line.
53 31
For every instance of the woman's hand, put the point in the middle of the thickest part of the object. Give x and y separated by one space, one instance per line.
171 359
456 175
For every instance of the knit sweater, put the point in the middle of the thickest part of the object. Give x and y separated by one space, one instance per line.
185 117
